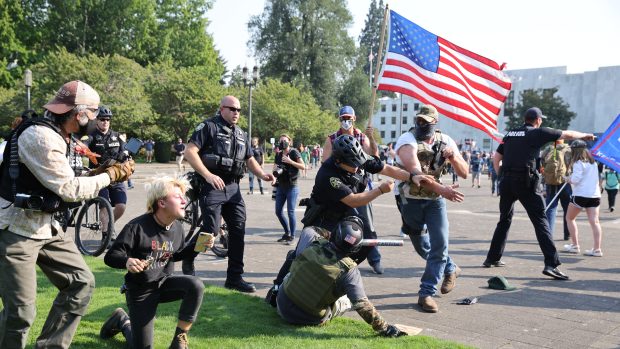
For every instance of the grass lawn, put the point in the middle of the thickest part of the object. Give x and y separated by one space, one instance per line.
227 319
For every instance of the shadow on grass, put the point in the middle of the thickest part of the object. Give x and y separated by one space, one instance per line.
227 319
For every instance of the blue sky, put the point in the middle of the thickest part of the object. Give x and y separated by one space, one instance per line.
582 35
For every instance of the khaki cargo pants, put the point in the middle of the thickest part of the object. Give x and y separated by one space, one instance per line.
63 265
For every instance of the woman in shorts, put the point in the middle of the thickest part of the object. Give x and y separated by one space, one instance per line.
586 195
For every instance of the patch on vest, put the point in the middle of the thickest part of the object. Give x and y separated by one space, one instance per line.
335 182
199 127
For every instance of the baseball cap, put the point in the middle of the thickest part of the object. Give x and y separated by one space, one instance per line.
500 283
346 110
534 113
71 94
428 113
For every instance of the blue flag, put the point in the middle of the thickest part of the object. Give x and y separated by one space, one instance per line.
607 148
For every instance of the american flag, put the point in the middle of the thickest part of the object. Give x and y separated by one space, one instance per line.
462 85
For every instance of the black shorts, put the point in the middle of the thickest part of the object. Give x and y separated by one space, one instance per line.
583 202
115 194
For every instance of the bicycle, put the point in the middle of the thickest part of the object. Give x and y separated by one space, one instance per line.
92 237
193 216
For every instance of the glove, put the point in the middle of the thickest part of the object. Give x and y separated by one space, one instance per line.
121 171
392 331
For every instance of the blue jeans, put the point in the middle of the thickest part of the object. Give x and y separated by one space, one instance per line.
251 179
289 195
433 213
564 199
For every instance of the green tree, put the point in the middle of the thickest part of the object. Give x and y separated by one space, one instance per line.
182 98
279 107
356 93
557 111
305 42
12 50
370 35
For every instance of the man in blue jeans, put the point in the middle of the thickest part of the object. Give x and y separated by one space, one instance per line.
425 149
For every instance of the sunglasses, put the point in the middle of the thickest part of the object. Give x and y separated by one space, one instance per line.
346 117
233 109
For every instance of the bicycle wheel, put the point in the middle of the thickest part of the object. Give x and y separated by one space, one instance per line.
94 226
191 219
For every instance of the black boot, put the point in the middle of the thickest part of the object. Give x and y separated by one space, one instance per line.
114 324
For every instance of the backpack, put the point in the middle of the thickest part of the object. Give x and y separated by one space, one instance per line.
555 166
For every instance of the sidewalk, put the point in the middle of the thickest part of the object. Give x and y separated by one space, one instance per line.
583 312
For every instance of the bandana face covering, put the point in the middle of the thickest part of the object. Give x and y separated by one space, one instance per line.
424 132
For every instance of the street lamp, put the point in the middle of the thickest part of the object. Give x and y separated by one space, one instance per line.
250 83
28 83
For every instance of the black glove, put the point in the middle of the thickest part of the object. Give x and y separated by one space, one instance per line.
392 331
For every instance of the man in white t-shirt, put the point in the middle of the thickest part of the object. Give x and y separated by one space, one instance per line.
426 149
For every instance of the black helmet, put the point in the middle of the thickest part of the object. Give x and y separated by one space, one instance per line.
349 151
348 234
104 112
578 144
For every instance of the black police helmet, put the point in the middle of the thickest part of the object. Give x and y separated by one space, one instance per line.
578 144
348 234
348 150
104 112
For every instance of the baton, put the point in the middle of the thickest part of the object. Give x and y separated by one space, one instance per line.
381 242
555 197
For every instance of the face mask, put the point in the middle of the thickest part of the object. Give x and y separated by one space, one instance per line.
424 132
283 145
346 124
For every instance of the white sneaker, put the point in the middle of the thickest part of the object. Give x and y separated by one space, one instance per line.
593 253
570 248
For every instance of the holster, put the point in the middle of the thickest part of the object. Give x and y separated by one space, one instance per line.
313 211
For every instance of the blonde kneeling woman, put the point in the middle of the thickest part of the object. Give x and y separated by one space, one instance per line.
586 194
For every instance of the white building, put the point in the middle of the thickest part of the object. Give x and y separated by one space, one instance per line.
593 96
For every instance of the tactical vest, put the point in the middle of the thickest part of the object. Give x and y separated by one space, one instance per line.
225 156
107 145
432 162
312 279
24 181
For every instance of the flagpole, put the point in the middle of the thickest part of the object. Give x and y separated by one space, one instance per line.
377 68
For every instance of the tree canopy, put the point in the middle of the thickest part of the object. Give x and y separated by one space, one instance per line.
557 111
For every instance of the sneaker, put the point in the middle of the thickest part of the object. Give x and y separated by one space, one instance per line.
570 248
449 280
377 268
180 341
487 263
428 304
114 324
611 209
251 192
593 253
285 238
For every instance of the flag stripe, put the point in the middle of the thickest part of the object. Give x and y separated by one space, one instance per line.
462 85
476 104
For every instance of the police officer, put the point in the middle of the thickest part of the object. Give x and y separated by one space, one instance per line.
520 181
219 151
109 145
324 282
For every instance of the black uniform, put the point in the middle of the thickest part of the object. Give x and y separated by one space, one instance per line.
109 146
223 149
520 181
331 185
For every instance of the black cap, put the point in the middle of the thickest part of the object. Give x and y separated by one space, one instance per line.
533 114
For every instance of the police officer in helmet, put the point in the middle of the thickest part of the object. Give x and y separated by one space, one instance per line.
219 151
520 181
109 145
324 282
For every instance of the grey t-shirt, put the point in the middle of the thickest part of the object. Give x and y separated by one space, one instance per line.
349 284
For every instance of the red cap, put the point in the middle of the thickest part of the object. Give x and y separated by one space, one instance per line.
71 94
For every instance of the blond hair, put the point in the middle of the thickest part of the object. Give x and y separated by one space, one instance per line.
159 187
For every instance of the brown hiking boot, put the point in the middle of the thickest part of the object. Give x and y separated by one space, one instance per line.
449 281
428 304
180 341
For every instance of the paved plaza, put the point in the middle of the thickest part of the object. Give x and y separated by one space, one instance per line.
583 312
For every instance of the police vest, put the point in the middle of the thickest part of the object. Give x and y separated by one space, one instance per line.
432 162
225 156
25 182
312 279
107 145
